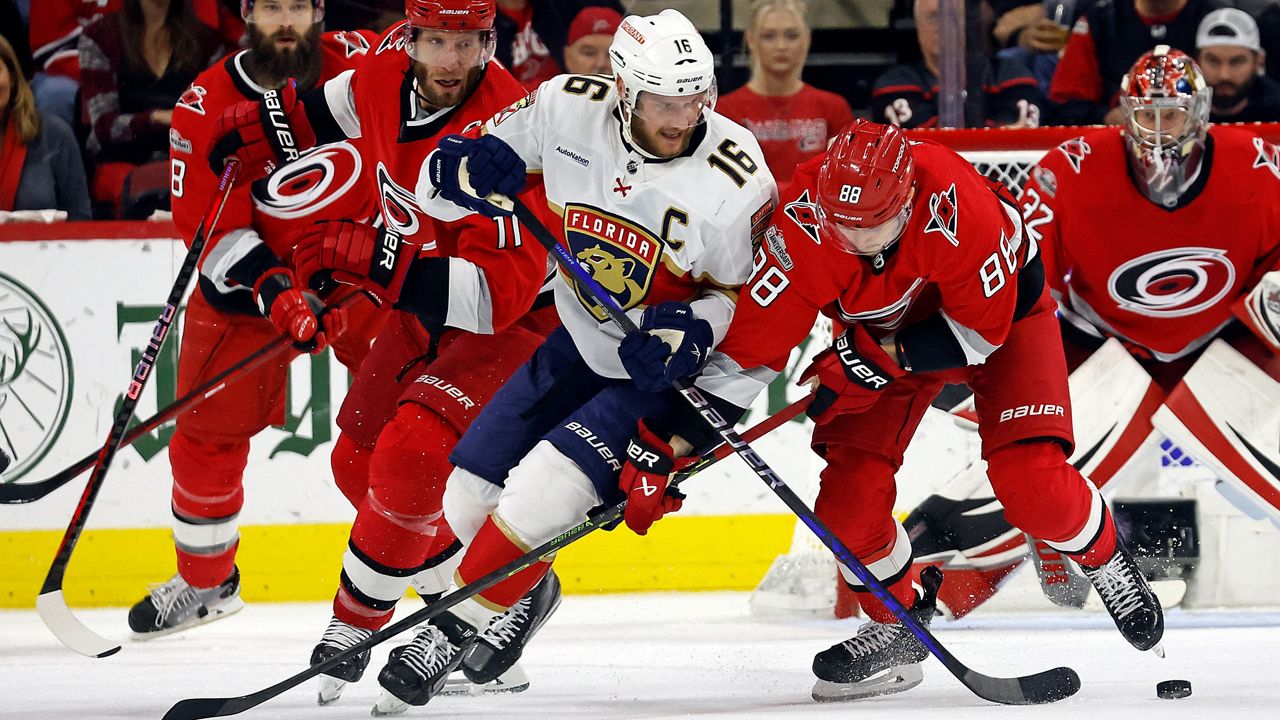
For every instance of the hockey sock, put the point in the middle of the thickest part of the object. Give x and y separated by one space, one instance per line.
400 520
207 497
494 546
350 463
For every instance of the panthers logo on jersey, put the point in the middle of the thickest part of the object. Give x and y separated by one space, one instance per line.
620 255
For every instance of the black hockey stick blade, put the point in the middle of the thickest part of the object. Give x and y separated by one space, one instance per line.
1047 686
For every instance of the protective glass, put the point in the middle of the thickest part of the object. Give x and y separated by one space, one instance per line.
674 111
473 48
276 12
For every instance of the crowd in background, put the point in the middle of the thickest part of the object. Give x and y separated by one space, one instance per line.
87 86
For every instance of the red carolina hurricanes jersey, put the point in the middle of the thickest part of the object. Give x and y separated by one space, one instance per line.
955 266
1162 280
193 183
377 104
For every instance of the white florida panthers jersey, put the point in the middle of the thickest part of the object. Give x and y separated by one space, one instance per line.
648 230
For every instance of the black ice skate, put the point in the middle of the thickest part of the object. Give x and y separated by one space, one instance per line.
175 605
882 658
502 643
1127 596
416 672
338 637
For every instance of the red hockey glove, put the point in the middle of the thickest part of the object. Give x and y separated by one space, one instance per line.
356 254
850 375
263 134
296 314
644 479
1259 309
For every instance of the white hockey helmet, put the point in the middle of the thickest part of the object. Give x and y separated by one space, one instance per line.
663 55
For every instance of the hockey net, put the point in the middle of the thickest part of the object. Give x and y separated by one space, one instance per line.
805 581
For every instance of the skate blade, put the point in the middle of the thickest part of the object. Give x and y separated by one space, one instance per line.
329 690
514 680
388 704
894 680
228 608
1157 650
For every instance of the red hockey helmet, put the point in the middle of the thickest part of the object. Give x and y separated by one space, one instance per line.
460 16
246 9
865 187
1166 107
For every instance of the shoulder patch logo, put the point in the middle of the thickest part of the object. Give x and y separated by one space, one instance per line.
1268 156
193 99
1047 180
620 255
353 43
515 107
778 247
1074 151
942 206
804 213
396 39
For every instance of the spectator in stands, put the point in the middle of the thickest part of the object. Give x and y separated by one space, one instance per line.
791 119
40 167
1001 91
590 35
532 35
1230 54
1033 32
134 65
1105 41
56 26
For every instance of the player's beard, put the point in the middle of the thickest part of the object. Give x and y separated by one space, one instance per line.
434 97
270 66
1227 95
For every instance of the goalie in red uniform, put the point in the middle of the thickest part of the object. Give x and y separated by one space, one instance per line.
247 296
1150 236
926 265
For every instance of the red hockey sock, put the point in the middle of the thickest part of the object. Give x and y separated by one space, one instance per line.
1101 550
350 463
871 605
494 546
207 497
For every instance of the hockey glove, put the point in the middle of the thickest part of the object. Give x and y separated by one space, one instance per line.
645 477
1260 309
296 314
491 168
353 253
675 344
262 134
850 375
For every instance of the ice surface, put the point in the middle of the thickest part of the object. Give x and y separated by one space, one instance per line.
656 656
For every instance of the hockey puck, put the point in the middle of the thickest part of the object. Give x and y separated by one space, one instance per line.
1173 689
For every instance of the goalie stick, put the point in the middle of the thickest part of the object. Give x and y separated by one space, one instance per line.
1042 687
193 708
19 493
50 604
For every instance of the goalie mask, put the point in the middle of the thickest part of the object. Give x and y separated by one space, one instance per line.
1166 109
665 75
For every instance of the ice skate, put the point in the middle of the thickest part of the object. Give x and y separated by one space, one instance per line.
514 680
174 606
338 637
881 659
503 641
1128 597
416 672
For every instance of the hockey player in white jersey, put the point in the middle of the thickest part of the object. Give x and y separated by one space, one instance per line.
659 197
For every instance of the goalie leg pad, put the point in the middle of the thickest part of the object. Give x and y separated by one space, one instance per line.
856 501
1226 413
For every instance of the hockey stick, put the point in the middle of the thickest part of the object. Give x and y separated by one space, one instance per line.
1047 686
50 604
20 493
194 708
